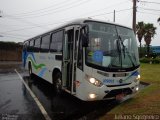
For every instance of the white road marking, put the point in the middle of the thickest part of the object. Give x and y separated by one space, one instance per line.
43 111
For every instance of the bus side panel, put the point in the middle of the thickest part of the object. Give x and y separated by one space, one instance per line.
43 64
40 66
52 63
80 85
48 59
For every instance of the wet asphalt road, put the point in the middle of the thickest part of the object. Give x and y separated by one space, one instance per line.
17 103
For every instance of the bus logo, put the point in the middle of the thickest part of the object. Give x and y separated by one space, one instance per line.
120 81
108 81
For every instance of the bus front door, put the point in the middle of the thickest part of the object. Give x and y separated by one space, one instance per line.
69 60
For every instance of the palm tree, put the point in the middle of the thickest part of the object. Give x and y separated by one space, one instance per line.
150 31
140 31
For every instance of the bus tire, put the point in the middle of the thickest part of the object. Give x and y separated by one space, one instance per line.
57 82
30 69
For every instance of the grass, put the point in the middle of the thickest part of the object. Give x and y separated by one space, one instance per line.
147 101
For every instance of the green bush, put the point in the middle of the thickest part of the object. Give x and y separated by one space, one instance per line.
150 60
145 60
156 60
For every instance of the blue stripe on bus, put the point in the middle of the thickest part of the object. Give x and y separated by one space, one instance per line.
136 73
41 73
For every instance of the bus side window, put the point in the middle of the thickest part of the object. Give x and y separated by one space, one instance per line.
31 46
37 44
80 55
56 42
45 43
27 44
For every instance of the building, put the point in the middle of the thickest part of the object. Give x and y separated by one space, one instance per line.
155 50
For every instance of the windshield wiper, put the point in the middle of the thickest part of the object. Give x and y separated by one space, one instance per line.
124 48
130 57
119 51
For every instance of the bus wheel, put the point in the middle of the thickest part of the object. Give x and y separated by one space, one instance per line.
57 83
30 69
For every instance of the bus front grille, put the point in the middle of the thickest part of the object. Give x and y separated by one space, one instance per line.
118 85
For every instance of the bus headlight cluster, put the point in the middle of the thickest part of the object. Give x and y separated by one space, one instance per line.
94 81
137 78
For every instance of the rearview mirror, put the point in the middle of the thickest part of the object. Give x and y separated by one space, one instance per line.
84 36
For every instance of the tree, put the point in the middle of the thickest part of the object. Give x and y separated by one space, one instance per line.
140 31
150 31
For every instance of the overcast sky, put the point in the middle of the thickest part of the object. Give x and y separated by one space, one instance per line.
23 19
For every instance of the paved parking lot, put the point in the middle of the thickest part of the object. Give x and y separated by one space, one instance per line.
17 102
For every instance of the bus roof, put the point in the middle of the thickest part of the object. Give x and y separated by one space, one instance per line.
78 22
81 21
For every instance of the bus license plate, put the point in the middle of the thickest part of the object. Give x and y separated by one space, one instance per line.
120 96
120 75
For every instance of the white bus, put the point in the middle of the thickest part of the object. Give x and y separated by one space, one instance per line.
90 59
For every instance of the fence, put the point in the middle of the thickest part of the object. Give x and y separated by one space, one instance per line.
10 52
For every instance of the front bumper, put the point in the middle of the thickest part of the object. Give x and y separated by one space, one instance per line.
105 92
129 89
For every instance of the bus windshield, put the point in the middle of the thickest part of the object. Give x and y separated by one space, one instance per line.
111 46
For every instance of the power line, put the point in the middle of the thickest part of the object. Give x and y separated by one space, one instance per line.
119 3
149 9
52 10
111 12
149 2
31 27
107 7
63 21
42 9
24 21
64 9
55 11
88 13
148 13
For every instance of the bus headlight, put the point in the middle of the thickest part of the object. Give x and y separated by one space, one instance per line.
137 88
137 78
94 81
92 96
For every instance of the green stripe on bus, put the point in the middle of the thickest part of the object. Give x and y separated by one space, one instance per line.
35 65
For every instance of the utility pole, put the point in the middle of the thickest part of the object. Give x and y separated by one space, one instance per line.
134 15
0 13
114 16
